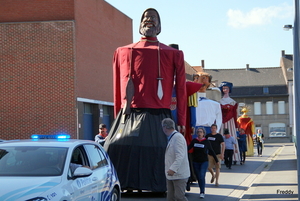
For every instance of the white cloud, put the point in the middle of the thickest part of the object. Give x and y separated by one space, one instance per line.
258 16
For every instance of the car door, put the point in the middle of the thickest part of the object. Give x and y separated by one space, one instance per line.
82 186
101 172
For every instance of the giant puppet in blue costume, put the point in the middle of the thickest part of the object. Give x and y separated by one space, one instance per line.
229 114
144 75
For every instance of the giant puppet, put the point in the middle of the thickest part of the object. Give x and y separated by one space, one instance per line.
246 123
144 75
204 111
229 114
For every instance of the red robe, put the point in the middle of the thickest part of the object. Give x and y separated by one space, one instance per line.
137 146
191 88
145 73
247 124
229 112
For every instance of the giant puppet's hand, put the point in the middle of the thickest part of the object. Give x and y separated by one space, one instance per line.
181 129
192 130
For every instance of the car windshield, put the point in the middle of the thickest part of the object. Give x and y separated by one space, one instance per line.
32 161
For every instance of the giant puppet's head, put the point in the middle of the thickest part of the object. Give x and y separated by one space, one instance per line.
150 23
226 87
202 78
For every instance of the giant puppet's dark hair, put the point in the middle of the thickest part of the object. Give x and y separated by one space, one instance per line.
159 24
226 84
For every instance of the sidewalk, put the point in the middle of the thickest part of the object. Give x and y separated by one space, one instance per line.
277 177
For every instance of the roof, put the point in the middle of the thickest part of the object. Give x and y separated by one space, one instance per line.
189 71
261 91
286 63
248 76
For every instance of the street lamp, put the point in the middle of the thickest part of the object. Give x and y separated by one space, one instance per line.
287 27
296 81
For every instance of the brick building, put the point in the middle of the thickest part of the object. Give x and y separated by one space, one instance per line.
56 66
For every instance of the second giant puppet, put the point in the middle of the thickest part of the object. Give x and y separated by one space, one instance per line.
229 114
144 74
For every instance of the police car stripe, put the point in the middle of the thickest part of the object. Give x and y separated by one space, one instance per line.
13 195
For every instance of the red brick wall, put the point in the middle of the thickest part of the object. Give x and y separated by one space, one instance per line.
37 93
100 29
36 10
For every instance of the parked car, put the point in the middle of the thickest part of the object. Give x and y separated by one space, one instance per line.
57 169
278 134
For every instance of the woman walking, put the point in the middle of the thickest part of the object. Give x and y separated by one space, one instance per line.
200 146
241 136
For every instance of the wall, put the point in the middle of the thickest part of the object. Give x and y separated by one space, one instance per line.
37 79
264 120
36 10
100 29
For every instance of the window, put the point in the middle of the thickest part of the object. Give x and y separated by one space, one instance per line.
77 157
87 108
96 156
277 130
266 90
32 161
269 107
257 108
281 107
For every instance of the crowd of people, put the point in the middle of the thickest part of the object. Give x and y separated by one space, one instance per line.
208 150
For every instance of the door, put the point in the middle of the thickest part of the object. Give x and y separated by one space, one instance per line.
83 187
88 133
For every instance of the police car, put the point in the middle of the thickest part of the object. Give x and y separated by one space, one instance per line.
57 169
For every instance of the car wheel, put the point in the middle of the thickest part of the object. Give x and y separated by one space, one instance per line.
115 195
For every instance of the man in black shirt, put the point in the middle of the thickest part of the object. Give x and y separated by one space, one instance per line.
218 146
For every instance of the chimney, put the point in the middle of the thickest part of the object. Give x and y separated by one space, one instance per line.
247 66
202 64
282 53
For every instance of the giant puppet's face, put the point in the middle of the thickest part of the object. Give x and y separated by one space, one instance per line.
150 24
202 79
225 89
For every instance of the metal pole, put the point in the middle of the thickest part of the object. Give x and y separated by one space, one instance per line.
296 80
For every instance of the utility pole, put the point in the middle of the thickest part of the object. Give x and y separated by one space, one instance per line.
296 80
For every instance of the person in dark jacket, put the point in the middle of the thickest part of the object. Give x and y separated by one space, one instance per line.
101 136
242 141
200 147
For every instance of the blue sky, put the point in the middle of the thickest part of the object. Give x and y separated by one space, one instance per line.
223 33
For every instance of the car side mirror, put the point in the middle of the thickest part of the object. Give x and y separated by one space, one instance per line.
82 172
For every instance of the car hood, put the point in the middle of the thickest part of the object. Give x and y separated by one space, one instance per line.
14 188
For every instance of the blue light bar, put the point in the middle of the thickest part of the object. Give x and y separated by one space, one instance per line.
61 136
